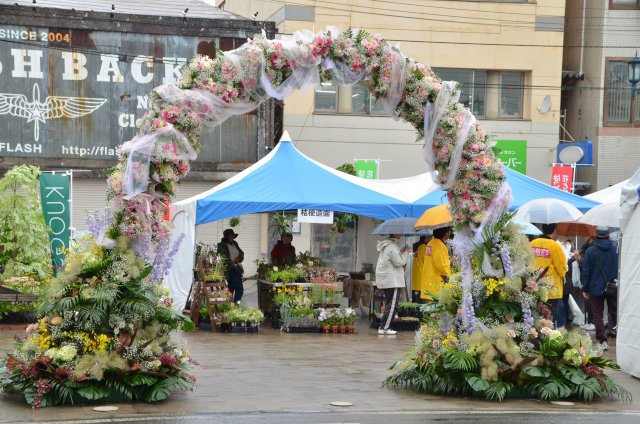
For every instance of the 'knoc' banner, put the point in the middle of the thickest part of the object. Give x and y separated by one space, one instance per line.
54 192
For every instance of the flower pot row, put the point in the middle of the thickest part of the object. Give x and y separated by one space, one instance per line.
301 329
244 327
398 325
338 328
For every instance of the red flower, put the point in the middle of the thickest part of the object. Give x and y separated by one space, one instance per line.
166 360
62 374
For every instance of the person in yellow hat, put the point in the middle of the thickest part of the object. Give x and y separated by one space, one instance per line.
437 265
547 253
419 253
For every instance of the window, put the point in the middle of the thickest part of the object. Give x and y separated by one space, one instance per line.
363 102
489 94
511 94
327 97
624 4
356 99
619 109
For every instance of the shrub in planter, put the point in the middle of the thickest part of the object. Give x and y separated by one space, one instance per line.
23 312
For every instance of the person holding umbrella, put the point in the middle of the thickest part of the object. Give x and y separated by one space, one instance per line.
390 277
548 255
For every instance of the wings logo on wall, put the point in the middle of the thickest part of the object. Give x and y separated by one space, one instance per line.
53 107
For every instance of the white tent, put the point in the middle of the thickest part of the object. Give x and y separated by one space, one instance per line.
607 195
628 339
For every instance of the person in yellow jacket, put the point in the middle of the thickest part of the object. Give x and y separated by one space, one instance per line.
436 263
419 249
547 253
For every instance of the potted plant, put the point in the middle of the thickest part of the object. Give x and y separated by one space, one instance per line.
326 318
350 319
342 220
281 223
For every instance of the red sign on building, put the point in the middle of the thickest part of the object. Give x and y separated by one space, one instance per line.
562 178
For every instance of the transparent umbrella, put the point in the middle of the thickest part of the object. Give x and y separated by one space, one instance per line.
606 215
528 228
547 211
402 226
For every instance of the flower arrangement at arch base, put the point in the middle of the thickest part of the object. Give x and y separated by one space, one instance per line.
509 347
108 331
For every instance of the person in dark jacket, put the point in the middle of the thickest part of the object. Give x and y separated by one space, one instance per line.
603 252
283 253
233 256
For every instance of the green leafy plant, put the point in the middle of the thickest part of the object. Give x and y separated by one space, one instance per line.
281 223
347 168
24 243
286 276
234 222
342 220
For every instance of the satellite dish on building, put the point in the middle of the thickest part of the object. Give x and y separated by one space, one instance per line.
571 154
546 105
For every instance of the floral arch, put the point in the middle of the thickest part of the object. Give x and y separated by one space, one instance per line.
107 323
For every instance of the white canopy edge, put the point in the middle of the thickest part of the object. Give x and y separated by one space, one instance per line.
607 195
628 339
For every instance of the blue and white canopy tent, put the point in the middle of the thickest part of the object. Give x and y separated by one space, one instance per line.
286 179
523 188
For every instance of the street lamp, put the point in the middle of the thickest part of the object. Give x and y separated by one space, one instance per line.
634 74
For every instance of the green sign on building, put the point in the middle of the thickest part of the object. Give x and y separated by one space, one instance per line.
54 193
513 154
367 169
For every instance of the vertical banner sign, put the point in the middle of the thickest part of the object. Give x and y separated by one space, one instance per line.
54 193
562 178
513 154
367 169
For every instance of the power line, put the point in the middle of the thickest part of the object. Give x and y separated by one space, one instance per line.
508 23
478 10
501 22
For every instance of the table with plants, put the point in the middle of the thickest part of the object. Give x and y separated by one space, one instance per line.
19 299
305 274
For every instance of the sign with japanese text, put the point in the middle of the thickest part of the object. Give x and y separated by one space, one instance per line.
541 252
315 216
367 169
54 194
562 178
513 154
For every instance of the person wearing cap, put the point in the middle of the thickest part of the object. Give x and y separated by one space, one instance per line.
548 254
233 256
437 265
283 253
600 265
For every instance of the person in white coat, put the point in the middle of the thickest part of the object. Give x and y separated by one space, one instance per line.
390 277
